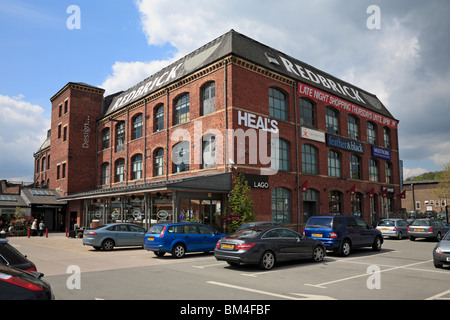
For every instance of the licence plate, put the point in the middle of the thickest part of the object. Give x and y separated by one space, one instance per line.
151 238
387 229
227 246
419 229
317 235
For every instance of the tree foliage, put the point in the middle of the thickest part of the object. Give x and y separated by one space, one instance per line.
240 207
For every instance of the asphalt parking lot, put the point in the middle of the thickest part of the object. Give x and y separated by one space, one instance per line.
403 270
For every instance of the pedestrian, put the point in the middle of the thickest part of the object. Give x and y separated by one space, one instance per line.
34 228
41 228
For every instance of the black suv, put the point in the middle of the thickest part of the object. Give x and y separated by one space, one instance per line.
10 256
342 233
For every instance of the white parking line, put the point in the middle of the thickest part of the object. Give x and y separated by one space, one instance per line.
439 296
323 285
252 290
208 265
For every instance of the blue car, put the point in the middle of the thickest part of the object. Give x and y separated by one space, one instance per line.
114 235
342 233
180 238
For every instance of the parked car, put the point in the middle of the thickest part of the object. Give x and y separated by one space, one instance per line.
343 233
16 284
10 256
258 224
427 228
180 238
114 235
394 228
441 253
267 245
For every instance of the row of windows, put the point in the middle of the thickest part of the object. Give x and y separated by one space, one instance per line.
180 161
332 122
181 115
310 162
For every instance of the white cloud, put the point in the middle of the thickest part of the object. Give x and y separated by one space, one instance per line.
408 173
26 128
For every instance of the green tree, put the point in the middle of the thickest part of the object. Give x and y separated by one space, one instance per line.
240 207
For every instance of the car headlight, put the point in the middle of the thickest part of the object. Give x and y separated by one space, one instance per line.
438 250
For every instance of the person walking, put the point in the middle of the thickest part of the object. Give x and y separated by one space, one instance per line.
34 227
41 228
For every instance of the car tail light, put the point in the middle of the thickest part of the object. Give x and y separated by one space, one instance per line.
218 244
333 235
431 229
409 229
92 233
31 269
162 232
395 229
245 246
20 283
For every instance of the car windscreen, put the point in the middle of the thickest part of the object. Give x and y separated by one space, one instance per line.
386 223
421 223
315 222
447 236
156 229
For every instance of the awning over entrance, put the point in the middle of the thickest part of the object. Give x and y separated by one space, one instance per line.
217 183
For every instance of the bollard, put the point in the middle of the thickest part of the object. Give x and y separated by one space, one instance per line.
46 233
66 232
28 233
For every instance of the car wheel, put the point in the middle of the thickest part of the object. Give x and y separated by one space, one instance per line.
400 236
346 248
178 251
437 264
267 260
318 254
108 245
439 237
377 244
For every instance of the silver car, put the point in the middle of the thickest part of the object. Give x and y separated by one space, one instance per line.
396 228
427 228
441 253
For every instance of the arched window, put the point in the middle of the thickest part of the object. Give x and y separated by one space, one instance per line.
181 157
373 170
309 159
335 207
355 167
209 151
280 155
307 113
120 136
181 110
119 170
137 126
371 133
332 120
159 118
136 170
278 104
281 205
334 164
208 98
353 127
105 138
158 166
387 137
105 173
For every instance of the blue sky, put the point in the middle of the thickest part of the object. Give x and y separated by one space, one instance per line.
121 42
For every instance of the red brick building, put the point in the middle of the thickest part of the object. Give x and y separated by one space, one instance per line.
168 148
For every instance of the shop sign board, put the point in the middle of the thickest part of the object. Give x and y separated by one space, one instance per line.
381 153
311 134
344 144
